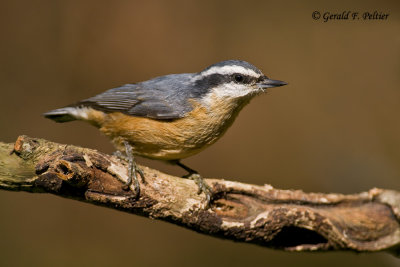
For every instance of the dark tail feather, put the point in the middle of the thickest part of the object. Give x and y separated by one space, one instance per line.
60 115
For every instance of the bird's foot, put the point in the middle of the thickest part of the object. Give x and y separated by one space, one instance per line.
203 187
119 155
198 179
133 169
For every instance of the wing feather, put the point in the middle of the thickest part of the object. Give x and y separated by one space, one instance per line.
162 98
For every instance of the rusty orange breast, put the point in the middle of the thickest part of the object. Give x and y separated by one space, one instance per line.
171 139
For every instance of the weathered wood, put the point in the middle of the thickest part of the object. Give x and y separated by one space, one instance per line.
284 219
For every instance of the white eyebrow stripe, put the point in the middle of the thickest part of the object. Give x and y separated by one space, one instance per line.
226 70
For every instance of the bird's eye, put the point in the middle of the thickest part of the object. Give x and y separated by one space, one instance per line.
238 78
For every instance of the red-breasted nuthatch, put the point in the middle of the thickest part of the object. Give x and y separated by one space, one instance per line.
171 117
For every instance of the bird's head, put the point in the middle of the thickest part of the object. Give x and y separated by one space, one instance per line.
233 80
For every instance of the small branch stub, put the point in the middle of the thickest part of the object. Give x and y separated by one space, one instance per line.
284 219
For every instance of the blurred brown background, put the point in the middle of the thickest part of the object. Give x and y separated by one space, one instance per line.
334 128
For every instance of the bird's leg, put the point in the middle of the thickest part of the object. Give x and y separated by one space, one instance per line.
133 169
198 179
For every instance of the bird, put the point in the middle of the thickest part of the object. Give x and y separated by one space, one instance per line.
171 117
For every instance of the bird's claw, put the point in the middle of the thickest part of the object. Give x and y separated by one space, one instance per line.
203 187
133 169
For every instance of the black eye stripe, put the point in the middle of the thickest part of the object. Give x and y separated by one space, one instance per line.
206 83
262 78
244 79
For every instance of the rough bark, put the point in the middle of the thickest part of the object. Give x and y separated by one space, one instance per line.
284 219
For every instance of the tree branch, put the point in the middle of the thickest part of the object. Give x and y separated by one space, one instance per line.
284 219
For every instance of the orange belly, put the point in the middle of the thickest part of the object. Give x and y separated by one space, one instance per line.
167 139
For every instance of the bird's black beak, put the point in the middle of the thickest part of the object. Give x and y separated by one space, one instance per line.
265 82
